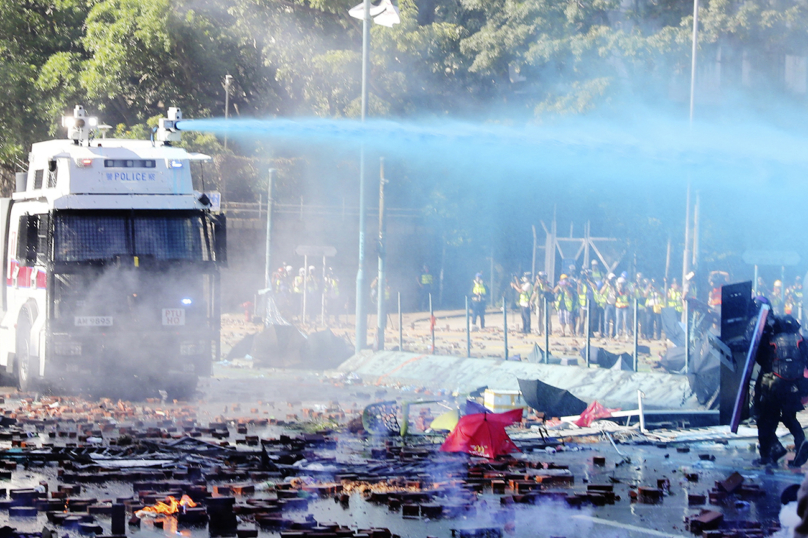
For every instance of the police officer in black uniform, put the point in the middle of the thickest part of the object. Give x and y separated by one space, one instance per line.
782 356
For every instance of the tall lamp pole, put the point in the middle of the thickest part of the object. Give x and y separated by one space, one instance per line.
267 263
381 287
227 80
686 266
388 15
361 314
693 59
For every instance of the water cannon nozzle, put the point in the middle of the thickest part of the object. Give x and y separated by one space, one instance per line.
168 130
80 126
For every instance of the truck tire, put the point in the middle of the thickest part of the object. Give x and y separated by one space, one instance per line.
26 364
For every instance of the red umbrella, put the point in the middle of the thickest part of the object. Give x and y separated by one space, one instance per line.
592 413
483 434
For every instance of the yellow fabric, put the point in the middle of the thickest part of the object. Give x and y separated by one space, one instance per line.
446 421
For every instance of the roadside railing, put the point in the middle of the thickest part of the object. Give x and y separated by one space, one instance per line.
258 211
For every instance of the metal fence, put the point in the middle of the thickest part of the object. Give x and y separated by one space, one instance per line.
258 211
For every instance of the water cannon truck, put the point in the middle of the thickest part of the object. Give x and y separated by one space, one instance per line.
112 265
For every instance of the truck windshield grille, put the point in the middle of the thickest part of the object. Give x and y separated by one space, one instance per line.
82 237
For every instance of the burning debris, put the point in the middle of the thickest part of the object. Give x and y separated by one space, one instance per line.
251 473
170 507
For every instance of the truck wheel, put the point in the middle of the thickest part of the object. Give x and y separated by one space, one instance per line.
26 370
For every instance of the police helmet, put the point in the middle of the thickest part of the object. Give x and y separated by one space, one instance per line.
787 324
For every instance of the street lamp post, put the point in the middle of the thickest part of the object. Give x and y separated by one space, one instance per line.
385 14
227 80
687 253
361 315
267 265
381 288
693 59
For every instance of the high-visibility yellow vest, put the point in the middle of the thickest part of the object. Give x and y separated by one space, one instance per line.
564 299
426 279
640 296
600 298
654 301
478 289
582 295
675 299
524 298
621 300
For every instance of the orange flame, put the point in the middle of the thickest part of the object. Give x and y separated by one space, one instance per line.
171 507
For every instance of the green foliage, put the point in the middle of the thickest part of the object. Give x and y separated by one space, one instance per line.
129 60
577 99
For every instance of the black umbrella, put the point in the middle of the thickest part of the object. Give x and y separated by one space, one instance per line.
674 360
704 371
674 330
597 355
624 362
550 400
607 359
536 355
242 348
325 350
279 346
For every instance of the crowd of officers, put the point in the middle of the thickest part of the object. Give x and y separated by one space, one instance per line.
611 300
322 290
609 297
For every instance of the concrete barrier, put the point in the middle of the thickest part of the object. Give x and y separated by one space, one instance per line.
612 388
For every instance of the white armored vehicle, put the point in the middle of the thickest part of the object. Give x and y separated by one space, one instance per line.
112 265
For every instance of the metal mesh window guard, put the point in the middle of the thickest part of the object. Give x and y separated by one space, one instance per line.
169 238
82 238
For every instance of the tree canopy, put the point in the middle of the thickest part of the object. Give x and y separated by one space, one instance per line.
131 59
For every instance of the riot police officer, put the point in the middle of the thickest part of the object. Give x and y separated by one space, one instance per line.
782 355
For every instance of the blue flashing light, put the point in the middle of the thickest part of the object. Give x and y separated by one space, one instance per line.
186 301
